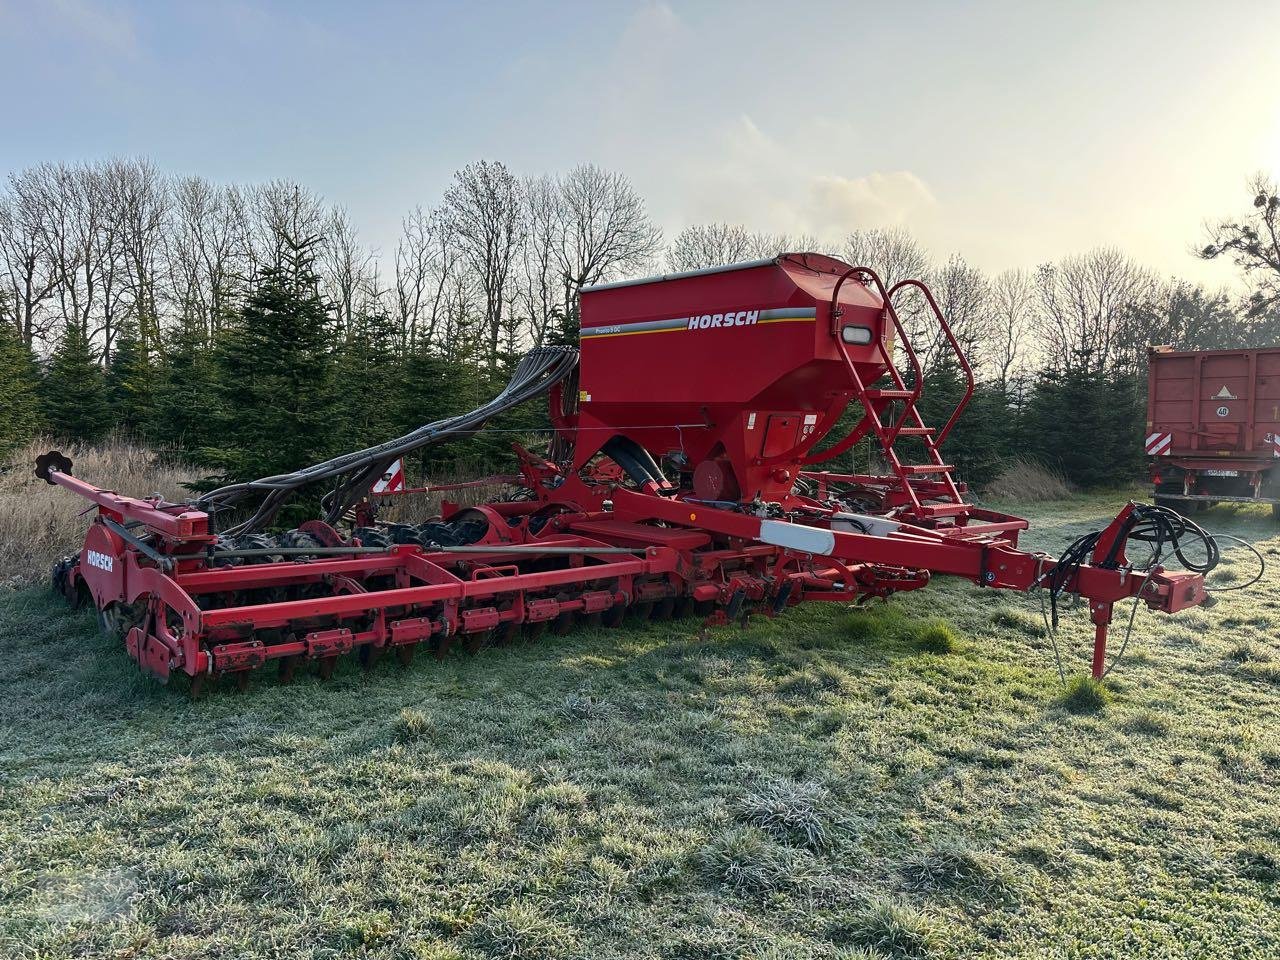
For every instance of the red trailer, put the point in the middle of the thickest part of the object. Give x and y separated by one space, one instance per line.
1213 427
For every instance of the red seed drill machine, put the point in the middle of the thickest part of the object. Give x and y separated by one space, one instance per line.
682 479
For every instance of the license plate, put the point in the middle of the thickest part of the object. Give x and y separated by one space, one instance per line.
1221 473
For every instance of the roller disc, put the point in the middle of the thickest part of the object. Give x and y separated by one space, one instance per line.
663 609
684 606
369 656
242 680
285 669
442 647
404 653
643 610
562 624
327 665
592 619
613 616
536 630
507 633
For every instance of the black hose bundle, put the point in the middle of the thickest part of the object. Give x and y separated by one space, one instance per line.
1161 528
354 473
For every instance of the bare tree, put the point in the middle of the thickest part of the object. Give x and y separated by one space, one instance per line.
1011 314
139 201
1253 244
893 253
709 245
207 251
1084 304
286 218
348 269
27 271
425 263
542 288
717 244
961 292
605 230
485 210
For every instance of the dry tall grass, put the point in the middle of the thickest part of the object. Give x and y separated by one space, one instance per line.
39 523
1029 482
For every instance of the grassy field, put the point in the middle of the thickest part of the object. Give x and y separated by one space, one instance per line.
830 784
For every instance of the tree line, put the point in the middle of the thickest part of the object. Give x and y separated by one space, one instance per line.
251 328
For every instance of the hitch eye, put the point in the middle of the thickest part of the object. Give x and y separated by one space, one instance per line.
856 335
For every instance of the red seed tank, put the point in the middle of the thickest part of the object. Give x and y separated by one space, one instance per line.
735 372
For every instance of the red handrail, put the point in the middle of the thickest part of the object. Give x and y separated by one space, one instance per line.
885 296
955 348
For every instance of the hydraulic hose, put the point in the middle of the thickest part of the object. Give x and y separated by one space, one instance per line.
353 473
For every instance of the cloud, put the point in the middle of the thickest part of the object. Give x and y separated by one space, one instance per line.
748 174
840 204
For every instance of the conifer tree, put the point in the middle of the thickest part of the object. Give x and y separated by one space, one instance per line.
73 394
131 381
182 410
275 403
370 379
19 378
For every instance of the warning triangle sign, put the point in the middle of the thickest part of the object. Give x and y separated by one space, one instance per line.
1224 394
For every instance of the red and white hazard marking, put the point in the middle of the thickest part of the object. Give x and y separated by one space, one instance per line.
1159 443
392 481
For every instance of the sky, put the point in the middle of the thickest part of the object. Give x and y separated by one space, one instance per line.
1013 133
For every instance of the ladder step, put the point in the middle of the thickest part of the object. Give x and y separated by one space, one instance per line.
874 394
926 467
915 431
943 509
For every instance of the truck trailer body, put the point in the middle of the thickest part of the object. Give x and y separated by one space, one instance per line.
1213 426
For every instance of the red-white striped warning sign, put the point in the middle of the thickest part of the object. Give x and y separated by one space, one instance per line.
392 481
1274 440
1159 443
